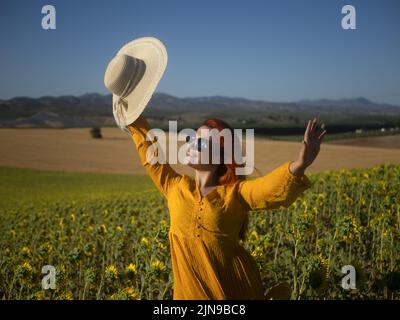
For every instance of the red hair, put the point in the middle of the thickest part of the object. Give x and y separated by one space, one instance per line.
226 172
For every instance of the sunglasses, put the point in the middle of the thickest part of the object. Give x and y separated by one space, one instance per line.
198 144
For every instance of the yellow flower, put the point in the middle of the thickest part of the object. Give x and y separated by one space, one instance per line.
305 206
164 223
118 229
349 201
39 295
349 229
386 233
26 251
131 293
257 252
323 260
131 269
44 250
157 264
278 227
321 199
24 272
253 236
321 196
114 296
26 266
158 267
124 294
160 245
318 273
111 272
144 241
67 295
88 249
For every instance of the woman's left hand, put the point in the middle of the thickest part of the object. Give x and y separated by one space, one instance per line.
310 147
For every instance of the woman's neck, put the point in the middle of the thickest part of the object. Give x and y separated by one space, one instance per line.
206 179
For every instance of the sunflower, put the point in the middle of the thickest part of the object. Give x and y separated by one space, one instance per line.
131 293
131 270
158 267
24 273
144 240
111 272
318 273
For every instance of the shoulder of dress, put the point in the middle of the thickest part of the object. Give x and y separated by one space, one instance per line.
232 188
185 179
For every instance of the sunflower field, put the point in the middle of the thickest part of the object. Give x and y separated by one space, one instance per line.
115 246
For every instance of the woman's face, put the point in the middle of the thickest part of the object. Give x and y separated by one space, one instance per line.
196 149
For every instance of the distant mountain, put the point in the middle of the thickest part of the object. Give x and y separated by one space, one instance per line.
50 120
354 103
96 109
85 105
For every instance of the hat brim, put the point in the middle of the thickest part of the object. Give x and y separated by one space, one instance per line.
154 54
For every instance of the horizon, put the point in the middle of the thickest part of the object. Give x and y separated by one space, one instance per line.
211 96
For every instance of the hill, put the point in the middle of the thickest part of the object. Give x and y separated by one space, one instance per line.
267 117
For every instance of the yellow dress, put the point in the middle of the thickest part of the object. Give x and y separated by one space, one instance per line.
207 260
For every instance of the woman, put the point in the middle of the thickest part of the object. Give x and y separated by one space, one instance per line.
208 215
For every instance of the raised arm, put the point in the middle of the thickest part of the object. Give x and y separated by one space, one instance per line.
283 185
278 188
162 174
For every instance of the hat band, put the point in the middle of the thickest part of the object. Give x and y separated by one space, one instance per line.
120 102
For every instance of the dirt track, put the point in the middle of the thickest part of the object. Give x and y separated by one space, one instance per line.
75 150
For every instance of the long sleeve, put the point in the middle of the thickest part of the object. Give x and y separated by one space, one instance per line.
162 174
278 188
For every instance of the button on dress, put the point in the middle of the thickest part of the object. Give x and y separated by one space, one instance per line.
207 260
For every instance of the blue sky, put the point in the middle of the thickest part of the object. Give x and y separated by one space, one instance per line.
270 50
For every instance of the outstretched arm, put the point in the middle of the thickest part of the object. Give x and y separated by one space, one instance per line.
162 174
283 185
278 188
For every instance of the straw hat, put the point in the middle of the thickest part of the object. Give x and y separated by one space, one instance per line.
133 75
